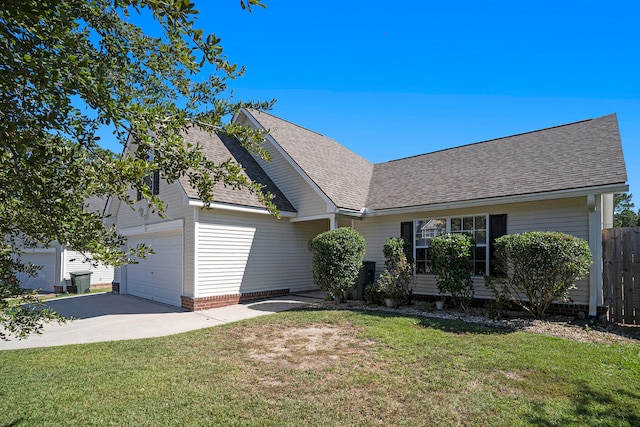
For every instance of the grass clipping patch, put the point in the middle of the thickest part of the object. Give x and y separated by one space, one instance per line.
309 347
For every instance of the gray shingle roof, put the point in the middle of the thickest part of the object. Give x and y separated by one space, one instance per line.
341 174
572 156
220 147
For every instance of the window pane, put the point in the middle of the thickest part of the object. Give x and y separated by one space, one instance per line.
481 253
481 223
428 229
481 237
467 223
456 224
421 239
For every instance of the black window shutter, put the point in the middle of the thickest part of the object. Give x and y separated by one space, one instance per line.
497 228
406 232
156 183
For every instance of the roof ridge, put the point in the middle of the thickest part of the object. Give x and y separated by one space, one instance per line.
496 139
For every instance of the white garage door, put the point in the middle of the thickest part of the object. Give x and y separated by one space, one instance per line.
159 277
45 277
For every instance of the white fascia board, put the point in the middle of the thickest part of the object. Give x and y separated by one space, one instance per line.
293 164
174 225
524 198
236 208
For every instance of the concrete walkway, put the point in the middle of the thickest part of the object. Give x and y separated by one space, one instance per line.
109 317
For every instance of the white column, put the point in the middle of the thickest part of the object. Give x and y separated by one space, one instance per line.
607 211
333 224
594 202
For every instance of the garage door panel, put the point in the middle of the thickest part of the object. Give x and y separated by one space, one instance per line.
159 276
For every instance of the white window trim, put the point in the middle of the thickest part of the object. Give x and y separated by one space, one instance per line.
448 230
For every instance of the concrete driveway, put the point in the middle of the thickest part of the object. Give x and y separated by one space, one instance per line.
109 317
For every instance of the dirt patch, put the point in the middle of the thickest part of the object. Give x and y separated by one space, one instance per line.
309 347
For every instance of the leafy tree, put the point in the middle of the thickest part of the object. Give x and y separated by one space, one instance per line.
622 202
541 268
624 216
337 260
69 68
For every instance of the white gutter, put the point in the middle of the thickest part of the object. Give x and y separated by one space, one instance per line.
235 208
312 217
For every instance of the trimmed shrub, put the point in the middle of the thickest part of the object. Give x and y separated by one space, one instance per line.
393 250
395 282
539 268
337 260
452 264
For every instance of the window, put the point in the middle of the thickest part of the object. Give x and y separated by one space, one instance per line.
152 181
476 226
427 229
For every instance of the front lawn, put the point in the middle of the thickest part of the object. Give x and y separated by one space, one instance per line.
324 367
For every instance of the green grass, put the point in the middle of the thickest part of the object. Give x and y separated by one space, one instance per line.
327 368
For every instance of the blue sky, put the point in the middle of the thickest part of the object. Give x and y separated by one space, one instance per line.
392 79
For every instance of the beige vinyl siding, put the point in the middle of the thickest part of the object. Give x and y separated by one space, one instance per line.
306 201
565 215
75 261
240 253
171 194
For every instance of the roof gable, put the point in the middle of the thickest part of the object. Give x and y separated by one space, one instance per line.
342 175
577 155
220 147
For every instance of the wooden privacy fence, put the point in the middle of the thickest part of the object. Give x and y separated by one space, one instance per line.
621 274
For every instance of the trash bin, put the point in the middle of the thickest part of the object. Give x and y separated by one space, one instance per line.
81 281
366 277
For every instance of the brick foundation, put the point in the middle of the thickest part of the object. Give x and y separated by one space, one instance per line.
205 303
564 309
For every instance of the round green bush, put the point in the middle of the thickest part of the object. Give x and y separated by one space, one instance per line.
337 260
541 267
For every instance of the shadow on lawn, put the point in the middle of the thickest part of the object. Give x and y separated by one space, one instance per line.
453 326
591 407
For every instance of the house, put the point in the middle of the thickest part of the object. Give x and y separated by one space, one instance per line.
58 261
557 179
